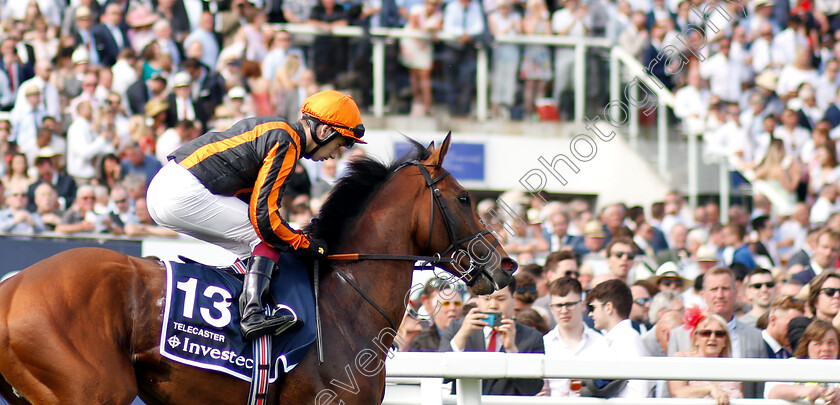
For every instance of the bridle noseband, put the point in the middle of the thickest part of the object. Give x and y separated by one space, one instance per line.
436 198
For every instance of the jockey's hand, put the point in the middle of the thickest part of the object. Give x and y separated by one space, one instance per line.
317 247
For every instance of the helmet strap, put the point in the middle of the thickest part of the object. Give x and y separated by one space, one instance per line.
314 124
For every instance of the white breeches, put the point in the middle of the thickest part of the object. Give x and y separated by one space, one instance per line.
178 201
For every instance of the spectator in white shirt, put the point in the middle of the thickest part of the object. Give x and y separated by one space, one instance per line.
825 204
571 338
793 231
723 72
570 21
795 74
793 135
84 145
805 105
826 85
691 103
760 50
464 20
27 117
611 302
49 93
786 43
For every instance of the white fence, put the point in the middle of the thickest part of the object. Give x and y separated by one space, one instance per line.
620 61
416 378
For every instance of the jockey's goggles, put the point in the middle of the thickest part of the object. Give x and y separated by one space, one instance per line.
358 132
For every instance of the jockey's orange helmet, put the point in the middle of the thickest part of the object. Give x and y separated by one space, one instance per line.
338 110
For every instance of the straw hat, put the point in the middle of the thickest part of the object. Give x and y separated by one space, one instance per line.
155 107
767 80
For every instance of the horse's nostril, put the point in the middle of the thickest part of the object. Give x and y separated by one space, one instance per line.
509 265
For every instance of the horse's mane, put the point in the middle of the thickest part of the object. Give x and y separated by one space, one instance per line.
353 190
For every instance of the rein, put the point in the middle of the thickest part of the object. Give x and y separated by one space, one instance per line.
435 198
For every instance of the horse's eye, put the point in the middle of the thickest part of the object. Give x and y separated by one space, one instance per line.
464 199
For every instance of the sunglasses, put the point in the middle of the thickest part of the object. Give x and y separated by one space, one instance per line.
567 305
667 282
447 304
642 301
623 255
830 292
769 284
572 273
87 197
709 333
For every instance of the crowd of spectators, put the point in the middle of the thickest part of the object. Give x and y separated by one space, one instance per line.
624 282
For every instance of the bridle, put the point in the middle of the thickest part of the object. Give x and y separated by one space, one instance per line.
436 198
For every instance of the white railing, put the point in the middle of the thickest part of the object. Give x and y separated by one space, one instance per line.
619 58
379 36
469 368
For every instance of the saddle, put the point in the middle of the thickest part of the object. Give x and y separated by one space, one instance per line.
201 317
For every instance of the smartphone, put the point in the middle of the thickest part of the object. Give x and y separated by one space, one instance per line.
494 319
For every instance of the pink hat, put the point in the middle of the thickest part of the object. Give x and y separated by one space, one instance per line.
141 17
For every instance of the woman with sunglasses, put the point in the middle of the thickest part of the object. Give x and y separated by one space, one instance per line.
823 303
709 338
226 188
820 341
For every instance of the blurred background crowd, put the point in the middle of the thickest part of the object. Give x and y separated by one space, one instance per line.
95 93
628 281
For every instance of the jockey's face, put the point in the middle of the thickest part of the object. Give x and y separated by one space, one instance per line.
330 150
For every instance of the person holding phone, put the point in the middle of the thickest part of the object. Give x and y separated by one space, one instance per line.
490 327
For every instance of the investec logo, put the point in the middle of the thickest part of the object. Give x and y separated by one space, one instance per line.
204 352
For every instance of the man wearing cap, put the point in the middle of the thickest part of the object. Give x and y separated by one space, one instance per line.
200 191
48 173
181 105
26 118
49 93
84 35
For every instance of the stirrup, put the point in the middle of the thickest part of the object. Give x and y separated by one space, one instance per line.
294 322
284 322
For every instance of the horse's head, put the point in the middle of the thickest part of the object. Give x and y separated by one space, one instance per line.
449 225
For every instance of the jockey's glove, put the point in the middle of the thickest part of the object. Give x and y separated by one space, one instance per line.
317 247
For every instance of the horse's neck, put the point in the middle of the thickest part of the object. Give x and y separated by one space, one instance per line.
385 282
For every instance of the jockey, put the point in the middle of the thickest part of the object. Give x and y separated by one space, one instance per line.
201 191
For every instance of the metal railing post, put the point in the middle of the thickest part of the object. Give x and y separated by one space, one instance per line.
378 76
481 84
580 81
693 171
662 138
469 391
634 118
724 191
615 84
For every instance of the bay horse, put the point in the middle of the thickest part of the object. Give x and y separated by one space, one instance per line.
83 326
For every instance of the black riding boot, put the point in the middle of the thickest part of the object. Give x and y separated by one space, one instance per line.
255 322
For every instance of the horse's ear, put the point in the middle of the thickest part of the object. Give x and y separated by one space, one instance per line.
438 154
431 147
